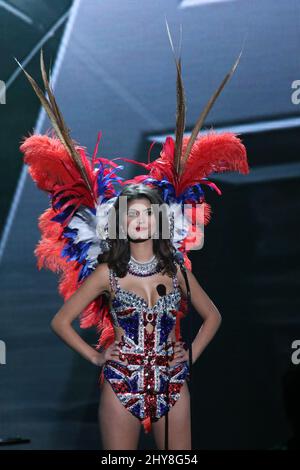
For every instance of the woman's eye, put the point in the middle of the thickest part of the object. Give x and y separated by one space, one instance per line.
134 214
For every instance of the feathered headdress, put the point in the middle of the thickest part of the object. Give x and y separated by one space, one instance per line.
183 168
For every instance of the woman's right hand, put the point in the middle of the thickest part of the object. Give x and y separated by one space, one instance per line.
111 353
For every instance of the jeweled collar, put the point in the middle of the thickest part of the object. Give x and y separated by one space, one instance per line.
145 268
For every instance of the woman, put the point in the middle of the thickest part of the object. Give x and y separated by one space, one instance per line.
144 370
139 306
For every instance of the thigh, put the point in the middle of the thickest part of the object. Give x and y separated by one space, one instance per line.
119 428
179 429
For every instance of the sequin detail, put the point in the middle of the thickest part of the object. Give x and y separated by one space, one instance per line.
146 385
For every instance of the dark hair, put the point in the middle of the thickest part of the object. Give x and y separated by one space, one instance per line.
118 256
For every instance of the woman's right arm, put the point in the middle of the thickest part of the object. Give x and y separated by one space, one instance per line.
94 285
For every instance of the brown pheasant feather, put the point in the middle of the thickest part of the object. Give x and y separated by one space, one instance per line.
179 158
55 115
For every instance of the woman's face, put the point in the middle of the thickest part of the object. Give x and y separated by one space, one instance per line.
140 220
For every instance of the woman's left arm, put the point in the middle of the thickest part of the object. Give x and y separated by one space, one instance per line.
205 308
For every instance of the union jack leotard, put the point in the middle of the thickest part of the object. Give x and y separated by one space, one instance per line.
147 386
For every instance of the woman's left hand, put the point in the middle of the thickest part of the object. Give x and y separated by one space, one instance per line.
180 354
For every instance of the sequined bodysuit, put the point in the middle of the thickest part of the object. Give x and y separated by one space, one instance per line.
146 385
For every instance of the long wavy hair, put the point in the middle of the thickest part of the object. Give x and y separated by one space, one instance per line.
118 256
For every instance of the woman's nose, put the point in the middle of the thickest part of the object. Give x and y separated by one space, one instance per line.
142 220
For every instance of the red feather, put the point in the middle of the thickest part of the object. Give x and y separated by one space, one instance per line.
213 153
52 168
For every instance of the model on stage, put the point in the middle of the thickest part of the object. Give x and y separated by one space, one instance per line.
122 256
147 366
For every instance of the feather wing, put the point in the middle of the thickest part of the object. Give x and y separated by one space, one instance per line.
69 243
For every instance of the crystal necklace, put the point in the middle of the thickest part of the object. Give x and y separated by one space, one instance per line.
145 268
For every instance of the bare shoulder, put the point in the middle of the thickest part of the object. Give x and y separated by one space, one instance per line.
199 298
180 277
101 276
94 284
181 280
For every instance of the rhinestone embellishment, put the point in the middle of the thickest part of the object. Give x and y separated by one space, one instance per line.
147 268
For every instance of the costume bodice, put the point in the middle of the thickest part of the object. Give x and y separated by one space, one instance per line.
132 313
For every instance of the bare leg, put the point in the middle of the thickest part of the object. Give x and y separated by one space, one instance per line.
119 428
179 424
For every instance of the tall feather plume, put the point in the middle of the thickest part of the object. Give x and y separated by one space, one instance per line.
206 110
55 115
181 108
179 159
